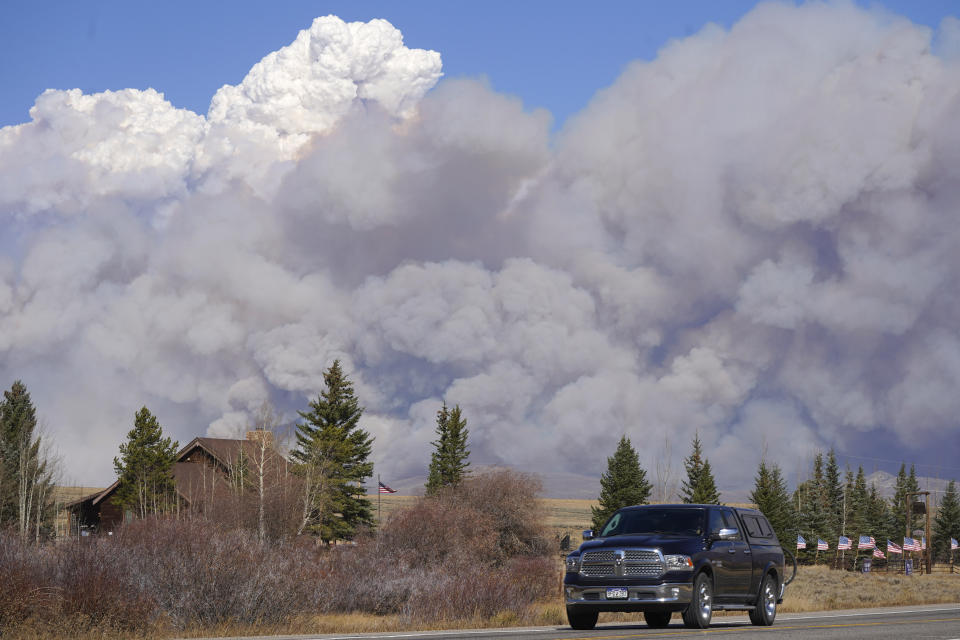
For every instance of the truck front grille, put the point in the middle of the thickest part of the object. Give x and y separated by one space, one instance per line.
644 563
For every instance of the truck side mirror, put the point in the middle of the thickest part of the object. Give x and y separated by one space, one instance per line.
727 534
587 534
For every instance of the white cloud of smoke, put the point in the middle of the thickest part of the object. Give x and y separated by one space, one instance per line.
752 236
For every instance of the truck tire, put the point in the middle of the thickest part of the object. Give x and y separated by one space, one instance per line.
766 611
698 614
657 619
582 620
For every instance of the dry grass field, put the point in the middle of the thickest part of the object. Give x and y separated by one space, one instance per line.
820 589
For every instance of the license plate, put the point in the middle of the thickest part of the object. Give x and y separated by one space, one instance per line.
617 593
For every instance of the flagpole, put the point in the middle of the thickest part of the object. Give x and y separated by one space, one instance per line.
378 501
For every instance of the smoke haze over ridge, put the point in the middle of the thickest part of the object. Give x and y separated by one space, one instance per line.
752 236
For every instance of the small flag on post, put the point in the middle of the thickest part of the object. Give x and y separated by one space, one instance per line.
909 544
866 542
878 554
801 543
893 547
843 544
923 543
822 545
385 489
953 544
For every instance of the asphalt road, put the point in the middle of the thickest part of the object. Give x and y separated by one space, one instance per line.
935 622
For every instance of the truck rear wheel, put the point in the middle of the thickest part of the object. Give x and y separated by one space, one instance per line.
698 614
582 620
766 611
657 619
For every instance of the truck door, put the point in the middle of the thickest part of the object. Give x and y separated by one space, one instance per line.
723 558
740 559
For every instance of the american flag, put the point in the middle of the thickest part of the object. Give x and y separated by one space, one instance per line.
385 489
843 544
953 544
909 544
878 554
801 543
866 542
923 544
893 547
822 545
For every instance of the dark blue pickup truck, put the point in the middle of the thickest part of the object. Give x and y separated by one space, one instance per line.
695 559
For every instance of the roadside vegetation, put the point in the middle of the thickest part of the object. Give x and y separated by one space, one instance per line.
472 553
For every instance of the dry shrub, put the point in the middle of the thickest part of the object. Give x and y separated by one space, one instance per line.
491 517
473 554
26 590
200 573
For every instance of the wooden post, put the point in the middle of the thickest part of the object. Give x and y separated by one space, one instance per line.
929 552
909 533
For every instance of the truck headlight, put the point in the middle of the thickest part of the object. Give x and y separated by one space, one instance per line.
573 564
678 563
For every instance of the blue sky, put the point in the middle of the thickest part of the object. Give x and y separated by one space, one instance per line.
554 55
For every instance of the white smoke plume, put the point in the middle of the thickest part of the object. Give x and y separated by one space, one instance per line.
751 237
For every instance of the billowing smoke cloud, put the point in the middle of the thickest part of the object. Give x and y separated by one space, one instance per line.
751 237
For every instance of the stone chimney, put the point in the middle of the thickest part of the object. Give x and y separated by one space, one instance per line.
261 435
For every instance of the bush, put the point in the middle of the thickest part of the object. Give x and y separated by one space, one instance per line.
475 552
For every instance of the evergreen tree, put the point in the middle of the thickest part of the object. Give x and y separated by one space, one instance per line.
819 520
833 490
448 462
846 506
858 502
947 523
771 497
880 517
624 484
145 468
699 487
26 483
331 457
913 485
898 503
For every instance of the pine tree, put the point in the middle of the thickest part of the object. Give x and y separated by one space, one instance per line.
699 487
947 523
898 503
913 485
145 468
331 458
819 519
846 506
858 503
880 518
624 484
448 462
834 494
26 482
771 497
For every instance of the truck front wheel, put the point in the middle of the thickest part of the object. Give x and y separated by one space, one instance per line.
657 619
766 610
698 614
582 620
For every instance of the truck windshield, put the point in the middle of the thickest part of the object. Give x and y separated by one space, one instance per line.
667 521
